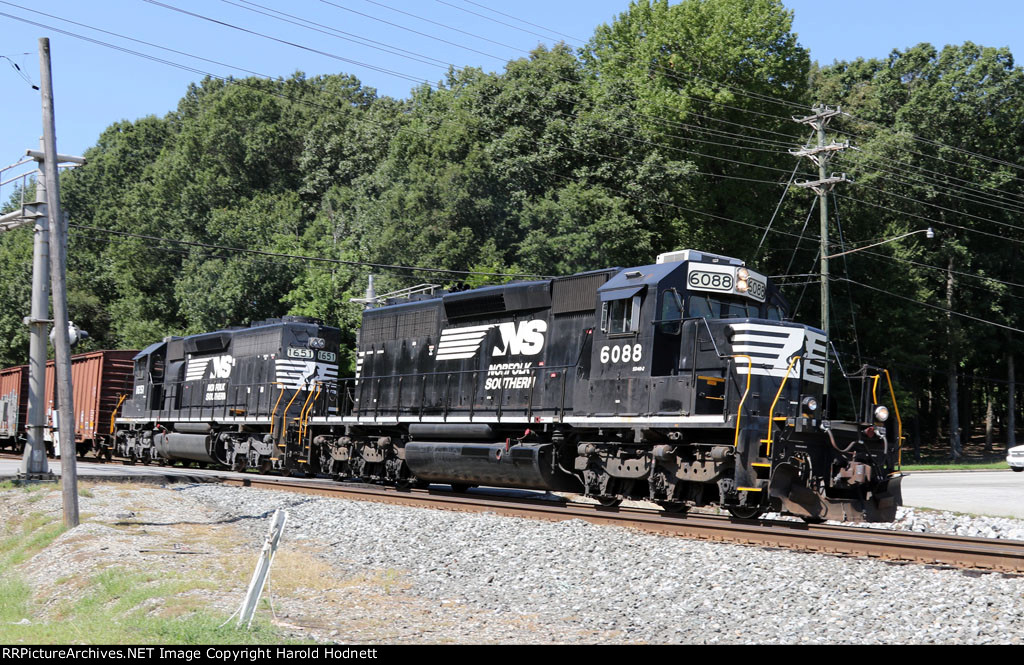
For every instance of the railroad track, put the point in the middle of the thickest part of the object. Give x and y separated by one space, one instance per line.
1004 556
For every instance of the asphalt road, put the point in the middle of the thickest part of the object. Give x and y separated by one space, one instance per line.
995 493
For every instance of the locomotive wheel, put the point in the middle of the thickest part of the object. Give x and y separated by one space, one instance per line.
609 501
266 467
746 512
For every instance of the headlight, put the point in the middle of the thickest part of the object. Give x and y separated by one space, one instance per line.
742 286
810 404
316 343
881 413
742 274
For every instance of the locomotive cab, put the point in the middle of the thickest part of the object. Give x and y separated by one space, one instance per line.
706 394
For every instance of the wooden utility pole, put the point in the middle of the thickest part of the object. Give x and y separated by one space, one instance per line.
58 265
820 155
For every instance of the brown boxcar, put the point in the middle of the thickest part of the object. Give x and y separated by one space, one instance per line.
99 379
13 406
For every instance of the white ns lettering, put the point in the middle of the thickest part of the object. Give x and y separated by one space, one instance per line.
527 340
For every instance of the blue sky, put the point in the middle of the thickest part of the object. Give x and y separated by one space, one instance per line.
96 85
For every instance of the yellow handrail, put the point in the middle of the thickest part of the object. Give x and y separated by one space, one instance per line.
284 415
771 411
273 414
307 408
899 422
739 409
113 414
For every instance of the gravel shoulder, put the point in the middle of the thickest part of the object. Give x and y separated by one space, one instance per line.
358 572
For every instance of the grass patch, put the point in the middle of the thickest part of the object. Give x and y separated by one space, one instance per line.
27 487
24 541
14 600
957 466
121 607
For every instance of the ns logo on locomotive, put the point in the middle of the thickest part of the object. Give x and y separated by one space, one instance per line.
680 382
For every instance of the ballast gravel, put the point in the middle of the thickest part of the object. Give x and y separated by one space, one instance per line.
514 580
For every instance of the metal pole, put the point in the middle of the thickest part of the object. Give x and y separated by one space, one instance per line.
58 263
34 460
823 209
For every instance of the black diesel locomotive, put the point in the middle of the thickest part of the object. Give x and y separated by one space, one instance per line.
231 398
679 382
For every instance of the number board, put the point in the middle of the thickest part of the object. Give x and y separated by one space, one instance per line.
722 279
299 352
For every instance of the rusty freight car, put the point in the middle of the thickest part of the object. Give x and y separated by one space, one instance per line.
13 406
99 379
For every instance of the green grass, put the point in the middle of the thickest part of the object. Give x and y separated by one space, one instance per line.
121 607
956 466
113 606
22 541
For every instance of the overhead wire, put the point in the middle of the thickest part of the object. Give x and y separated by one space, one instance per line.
790 104
491 9
571 100
247 2
302 257
988 198
927 304
191 69
242 82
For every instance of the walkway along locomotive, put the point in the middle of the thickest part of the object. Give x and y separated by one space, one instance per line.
679 382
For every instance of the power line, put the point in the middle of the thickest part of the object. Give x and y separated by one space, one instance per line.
939 144
925 304
737 90
491 9
305 102
978 196
284 41
575 100
175 64
939 207
317 259
929 219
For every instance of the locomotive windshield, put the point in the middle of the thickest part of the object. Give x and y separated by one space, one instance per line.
724 307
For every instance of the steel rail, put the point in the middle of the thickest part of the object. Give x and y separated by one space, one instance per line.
1005 556
989 554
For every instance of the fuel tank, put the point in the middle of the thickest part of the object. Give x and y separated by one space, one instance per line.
193 447
494 464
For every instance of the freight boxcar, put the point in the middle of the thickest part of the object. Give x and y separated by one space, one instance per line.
13 406
100 380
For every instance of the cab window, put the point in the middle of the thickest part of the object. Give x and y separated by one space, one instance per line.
621 316
722 308
671 312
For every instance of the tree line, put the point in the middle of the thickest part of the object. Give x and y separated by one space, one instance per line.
670 128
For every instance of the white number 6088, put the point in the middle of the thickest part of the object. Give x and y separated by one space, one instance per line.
626 353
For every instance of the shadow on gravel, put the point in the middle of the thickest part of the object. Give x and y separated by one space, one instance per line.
230 520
